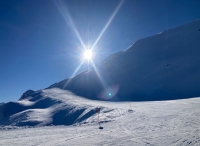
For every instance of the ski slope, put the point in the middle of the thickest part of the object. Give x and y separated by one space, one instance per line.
174 122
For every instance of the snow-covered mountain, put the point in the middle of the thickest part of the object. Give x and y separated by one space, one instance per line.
161 67
164 66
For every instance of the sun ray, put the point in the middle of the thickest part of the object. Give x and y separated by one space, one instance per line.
74 73
98 74
108 23
64 11
88 53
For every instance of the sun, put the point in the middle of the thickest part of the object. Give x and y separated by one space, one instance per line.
88 54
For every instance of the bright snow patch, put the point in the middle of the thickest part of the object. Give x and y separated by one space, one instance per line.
127 123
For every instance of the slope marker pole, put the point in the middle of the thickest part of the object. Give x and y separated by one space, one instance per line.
98 112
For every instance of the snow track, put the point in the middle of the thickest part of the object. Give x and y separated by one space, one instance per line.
174 123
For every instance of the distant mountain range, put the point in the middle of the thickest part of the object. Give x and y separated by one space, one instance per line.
161 67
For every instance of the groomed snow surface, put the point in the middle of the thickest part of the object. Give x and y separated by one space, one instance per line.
174 122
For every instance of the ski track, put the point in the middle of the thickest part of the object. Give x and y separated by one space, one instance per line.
174 123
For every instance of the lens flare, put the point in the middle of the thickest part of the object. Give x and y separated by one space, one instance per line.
109 92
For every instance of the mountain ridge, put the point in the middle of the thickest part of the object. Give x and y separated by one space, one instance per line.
144 70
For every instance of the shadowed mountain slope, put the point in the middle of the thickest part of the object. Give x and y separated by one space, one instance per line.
162 67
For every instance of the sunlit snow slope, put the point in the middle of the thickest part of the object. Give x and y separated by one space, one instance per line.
161 67
55 107
155 123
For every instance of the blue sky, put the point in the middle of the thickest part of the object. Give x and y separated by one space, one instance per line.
39 44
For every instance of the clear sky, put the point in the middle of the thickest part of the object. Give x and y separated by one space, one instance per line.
41 41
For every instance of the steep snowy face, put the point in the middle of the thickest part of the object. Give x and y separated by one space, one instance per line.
161 67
